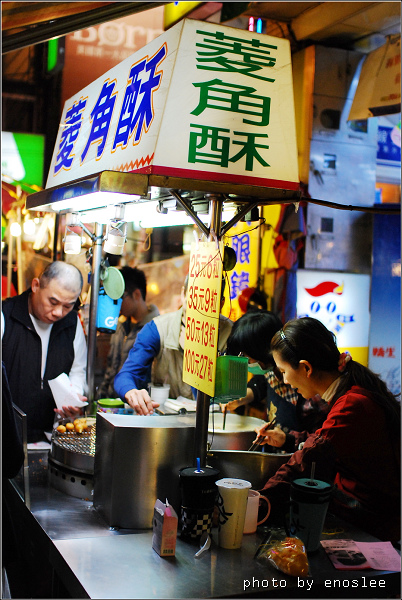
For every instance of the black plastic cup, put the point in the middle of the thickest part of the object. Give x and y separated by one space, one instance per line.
198 495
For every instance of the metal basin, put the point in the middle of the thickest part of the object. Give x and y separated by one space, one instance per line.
255 467
238 434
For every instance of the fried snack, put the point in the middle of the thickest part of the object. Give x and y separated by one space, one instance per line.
80 424
70 426
61 429
289 556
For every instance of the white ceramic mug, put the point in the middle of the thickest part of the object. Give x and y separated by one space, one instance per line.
253 503
232 504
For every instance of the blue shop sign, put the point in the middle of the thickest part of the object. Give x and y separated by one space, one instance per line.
388 153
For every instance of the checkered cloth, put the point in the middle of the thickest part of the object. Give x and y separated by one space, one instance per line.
194 523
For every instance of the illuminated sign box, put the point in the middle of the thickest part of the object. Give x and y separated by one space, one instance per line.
177 10
341 302
201 101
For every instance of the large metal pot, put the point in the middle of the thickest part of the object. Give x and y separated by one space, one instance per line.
255 467
238 434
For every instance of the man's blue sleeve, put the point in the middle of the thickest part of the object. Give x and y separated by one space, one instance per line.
136 371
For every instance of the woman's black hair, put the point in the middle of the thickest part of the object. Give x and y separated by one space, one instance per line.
308 339
252 334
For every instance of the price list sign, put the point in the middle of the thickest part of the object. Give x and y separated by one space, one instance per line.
202 316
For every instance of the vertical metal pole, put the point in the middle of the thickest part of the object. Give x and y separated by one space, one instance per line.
215 211
201 428
203 400
93 308
55 236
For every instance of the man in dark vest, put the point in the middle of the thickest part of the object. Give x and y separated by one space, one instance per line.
42 338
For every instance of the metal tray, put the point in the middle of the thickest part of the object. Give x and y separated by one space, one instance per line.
74 450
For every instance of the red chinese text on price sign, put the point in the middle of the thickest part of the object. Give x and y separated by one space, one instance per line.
202 316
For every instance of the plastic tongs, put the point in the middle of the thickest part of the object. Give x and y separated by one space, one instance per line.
256 443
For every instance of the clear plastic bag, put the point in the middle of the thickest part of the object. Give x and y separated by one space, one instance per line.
287 554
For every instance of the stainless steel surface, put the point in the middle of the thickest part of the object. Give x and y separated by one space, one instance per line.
62 516
127 567
93 307
256 467
238 433
137 461
93 561
68 481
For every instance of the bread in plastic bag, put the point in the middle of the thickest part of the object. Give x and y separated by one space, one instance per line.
287 554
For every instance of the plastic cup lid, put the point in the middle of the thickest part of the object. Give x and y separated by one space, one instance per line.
113 283
110 402
230 483
314 486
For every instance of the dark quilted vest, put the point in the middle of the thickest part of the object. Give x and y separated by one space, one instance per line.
22 355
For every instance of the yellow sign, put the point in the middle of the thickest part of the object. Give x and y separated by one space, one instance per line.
244 239
176 11
202 316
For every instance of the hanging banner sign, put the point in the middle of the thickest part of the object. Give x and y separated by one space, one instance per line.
221 98
244 240
379 89
202 316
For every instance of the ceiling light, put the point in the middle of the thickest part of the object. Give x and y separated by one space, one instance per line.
29 227
15 229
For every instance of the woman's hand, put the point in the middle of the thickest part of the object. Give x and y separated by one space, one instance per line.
274 437
233 404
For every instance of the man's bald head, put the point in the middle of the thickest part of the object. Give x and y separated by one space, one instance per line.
55 292
67 276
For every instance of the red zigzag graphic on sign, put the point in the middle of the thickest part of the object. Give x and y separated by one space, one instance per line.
137 164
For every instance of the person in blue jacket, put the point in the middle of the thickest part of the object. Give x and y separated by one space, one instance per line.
157 354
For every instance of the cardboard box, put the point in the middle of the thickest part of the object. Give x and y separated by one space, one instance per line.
165 524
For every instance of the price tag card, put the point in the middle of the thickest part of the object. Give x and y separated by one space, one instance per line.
202 316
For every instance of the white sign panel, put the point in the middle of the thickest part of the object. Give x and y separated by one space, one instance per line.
201 101
340 301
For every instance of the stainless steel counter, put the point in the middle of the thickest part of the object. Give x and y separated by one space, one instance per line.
93 561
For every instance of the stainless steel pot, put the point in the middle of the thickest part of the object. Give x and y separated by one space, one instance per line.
255 467
238 434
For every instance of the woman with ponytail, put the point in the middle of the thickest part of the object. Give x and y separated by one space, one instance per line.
358 446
